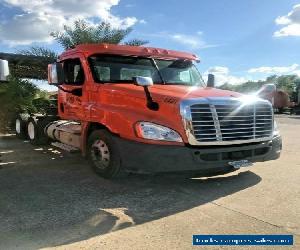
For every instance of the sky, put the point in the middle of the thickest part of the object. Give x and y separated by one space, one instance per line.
236 40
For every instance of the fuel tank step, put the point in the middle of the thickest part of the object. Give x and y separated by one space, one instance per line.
65 147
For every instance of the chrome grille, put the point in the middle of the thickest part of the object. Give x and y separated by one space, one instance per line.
231 122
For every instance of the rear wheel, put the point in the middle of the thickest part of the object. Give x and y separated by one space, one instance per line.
20 127
35 130
103 154
280 110
32 131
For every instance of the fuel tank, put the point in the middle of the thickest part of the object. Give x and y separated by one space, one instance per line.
67 132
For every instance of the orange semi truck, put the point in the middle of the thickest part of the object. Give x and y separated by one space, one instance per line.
147 110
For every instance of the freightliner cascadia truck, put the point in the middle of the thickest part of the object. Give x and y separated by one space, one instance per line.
148 110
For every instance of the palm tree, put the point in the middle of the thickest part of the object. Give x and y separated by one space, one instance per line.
83 32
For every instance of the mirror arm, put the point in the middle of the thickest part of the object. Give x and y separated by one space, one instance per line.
64 90
68 91
150 103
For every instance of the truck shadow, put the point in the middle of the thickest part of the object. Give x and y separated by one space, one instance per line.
47 202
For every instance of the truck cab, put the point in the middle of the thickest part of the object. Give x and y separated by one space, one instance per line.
147 110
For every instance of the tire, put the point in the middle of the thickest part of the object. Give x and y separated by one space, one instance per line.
280 110
35 130
103 155
21 127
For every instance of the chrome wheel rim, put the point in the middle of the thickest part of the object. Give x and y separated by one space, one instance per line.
18 126
30 129
100 154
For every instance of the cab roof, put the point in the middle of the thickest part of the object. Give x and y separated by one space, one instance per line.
125 50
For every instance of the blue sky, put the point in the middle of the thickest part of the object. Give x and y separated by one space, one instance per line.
237 40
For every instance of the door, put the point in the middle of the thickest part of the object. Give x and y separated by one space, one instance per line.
74 78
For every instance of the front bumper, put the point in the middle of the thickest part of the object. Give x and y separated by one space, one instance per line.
149 158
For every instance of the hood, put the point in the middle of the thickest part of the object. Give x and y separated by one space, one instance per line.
176 91
185 92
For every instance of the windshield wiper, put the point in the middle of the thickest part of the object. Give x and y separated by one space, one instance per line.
159 73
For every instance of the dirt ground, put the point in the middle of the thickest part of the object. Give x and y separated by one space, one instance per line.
51 199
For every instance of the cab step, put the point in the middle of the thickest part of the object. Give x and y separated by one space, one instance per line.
65 147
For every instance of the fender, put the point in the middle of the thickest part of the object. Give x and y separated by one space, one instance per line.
121 120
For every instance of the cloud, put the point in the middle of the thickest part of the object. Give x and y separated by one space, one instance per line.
40 17
293 69
26 28
190 41
222 75
142 21
194 42
291 23
218 70
129 5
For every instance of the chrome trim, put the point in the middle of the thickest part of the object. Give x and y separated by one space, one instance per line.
216 122
186 115
254 118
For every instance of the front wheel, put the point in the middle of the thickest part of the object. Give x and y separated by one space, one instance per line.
103 154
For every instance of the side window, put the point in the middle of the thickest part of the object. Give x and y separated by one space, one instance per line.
102 73
185 76
73 72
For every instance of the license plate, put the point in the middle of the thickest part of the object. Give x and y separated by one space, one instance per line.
240 164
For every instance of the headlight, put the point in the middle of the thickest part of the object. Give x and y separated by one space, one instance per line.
152 131
276 130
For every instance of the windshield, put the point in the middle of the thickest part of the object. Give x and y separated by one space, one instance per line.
121 69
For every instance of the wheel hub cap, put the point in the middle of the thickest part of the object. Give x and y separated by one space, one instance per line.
31 130
18 126
100 154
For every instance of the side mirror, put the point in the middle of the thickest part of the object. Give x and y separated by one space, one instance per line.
211 81
143 81
55 74
4 70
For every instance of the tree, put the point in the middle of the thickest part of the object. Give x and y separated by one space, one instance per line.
287 83
83 32
39 52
